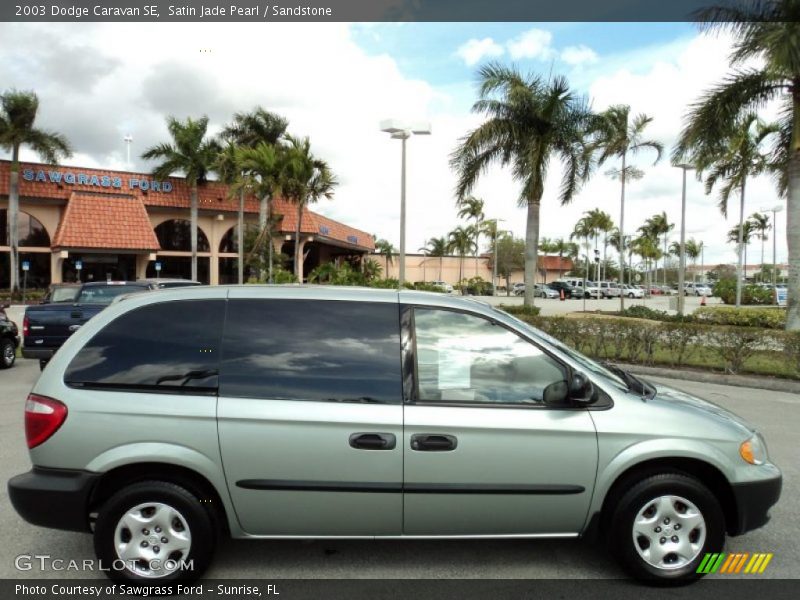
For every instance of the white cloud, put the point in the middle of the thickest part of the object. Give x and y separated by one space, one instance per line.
474 50
534 43
578 55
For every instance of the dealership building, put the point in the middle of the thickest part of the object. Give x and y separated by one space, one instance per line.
89 224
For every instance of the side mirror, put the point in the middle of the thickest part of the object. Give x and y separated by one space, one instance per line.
581 389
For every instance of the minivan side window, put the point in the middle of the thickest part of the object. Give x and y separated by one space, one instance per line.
317 350
168 346
464 358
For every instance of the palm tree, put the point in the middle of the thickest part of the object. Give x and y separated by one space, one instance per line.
655 227
230 172
761 226
471 208
263 165
305 180
461 241
601 222
741 236
386 249
18 111
438 247
192 154
562 247
692 248
530 121
584 229
731 159
251 130
618 135
767 67
646 246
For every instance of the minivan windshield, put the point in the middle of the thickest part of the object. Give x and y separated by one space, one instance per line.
585 363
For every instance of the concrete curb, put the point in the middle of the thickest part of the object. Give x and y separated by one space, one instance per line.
765 383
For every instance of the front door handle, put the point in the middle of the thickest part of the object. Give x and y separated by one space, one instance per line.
433 442
373 441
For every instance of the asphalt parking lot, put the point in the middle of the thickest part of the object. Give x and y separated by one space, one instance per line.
776 414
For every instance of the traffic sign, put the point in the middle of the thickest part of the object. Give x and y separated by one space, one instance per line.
26 265
158 266
79 264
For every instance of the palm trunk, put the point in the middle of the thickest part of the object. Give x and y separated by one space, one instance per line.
531 249
13 217
622 232
298 255
193 228
240 233
271 248
741 249
263 218
440 268
793 221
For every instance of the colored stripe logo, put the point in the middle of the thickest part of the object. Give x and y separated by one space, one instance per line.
734 563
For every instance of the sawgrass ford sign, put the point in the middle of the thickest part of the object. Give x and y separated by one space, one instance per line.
101 181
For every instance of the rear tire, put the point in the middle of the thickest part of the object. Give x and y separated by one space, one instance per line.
8 353
144 526
663 526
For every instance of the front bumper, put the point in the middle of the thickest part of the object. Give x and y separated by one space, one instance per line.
753 501
55 498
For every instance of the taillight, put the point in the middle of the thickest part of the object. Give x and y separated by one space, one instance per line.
25 326
43 417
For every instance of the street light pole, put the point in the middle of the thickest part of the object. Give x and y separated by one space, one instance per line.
401 131
682 257
774 210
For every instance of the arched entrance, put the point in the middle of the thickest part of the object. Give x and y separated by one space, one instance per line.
175 256
32 234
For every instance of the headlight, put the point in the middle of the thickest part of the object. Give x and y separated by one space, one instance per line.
754 450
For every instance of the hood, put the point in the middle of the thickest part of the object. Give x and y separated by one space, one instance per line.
691 403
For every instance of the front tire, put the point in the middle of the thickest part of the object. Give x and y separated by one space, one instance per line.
8 354
664 525
154 532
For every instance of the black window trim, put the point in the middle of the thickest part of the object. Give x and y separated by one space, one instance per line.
411 397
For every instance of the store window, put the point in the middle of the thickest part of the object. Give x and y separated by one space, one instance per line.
175 235
31 231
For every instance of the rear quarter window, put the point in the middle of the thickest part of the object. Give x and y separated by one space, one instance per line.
169 346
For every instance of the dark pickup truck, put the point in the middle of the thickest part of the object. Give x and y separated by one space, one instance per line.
47 326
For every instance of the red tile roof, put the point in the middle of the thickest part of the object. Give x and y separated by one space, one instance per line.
554 263
99 221
212 196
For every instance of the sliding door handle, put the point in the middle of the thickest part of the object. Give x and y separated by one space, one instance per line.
433 442
373 441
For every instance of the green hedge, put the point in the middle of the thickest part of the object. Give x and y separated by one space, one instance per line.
521 310
718 347
768 318
725 289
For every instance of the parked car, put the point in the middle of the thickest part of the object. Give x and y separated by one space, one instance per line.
655 290
545 291
518 289
632 291
444 286
166 283
45 327
609 289
361 444
569 290
9 339
61 292
697 289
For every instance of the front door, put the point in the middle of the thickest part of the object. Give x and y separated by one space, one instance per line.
310 416
483 455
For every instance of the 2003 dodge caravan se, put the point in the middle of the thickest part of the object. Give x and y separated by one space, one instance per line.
290 412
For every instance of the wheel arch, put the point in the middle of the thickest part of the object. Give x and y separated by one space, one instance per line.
196 483
708 474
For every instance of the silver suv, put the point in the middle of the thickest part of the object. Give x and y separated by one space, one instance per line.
177 417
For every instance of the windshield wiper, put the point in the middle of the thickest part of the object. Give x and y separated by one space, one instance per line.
635 385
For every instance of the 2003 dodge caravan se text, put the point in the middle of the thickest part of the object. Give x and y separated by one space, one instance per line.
288 412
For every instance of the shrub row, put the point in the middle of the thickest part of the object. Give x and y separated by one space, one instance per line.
676 344
768 318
